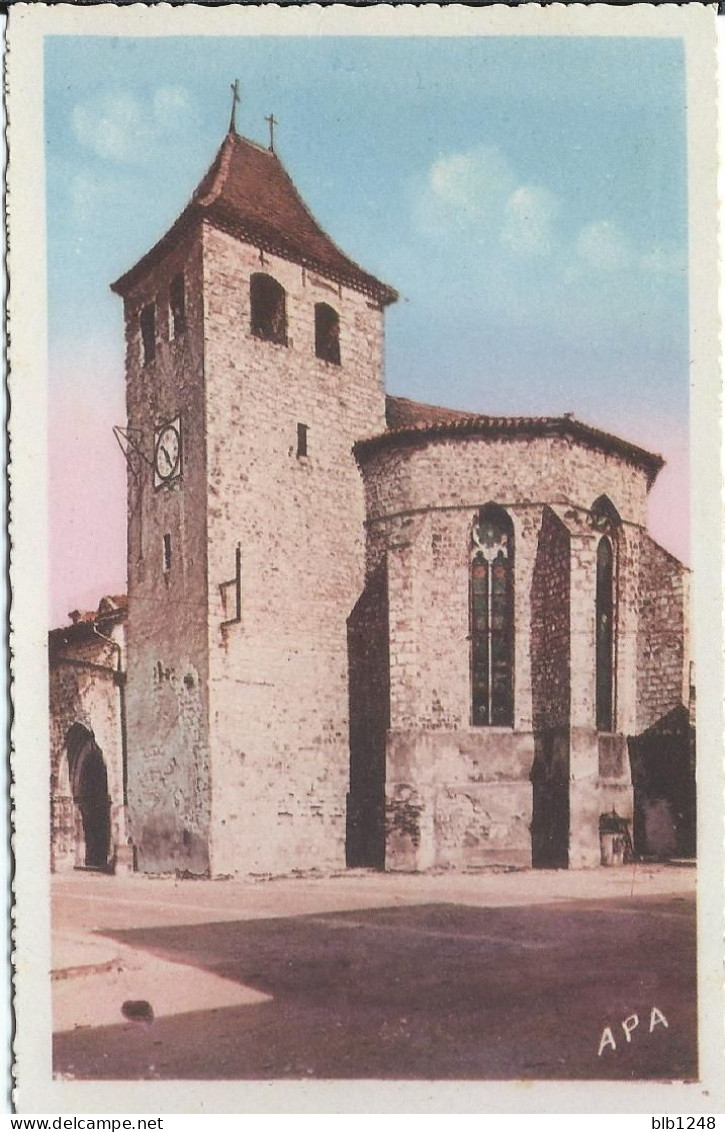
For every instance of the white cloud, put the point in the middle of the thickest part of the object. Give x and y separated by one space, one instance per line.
113 127
603 246
473 181
519 248
465 193
477 195
527 223
172 106
123 128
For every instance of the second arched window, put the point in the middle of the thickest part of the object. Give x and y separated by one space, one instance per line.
492 619
327 333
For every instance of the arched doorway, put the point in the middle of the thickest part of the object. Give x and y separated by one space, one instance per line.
89 786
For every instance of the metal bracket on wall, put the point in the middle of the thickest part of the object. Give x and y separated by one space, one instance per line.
235 585
129 441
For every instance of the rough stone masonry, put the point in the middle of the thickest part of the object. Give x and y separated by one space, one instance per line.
359 630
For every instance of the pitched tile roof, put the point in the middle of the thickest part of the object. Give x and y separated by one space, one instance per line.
247 191
400 412
412 424
112 609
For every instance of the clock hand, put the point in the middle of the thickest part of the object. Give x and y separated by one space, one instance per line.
166 454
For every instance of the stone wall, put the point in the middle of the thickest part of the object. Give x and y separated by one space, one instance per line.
84 690
662 660
459 795
472 470
279 677
662 749
550 626
550 648
456 795
167 692
458 799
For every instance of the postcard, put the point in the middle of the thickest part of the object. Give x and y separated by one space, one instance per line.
366 542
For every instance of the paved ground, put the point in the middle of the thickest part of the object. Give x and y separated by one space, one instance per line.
487 976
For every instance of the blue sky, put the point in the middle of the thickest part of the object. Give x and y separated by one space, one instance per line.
526 196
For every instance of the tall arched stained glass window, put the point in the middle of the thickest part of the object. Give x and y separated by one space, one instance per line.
605 635
492 619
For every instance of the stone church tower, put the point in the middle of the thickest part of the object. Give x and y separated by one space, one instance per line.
253 364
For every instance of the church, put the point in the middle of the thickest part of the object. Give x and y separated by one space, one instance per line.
360 631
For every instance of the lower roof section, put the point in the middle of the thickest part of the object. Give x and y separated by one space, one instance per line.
414 424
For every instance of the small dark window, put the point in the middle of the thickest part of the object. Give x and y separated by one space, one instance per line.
327 333
167 553
177 305
148 333
301 439
269 309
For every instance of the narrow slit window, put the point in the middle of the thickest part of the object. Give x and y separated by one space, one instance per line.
167 553
492 619
177 306
147 322
327 333
268 302
301 439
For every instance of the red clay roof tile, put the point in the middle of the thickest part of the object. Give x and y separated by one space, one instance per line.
412 423
248 191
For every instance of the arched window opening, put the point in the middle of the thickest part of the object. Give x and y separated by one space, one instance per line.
492 619
604 515
327 333
269 309
605 635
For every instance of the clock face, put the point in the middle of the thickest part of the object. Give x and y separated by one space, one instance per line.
167 453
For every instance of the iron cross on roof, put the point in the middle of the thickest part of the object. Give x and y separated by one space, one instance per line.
272 123
235 100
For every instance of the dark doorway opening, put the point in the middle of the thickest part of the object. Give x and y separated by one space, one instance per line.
89 783
663 775
369 667
550 819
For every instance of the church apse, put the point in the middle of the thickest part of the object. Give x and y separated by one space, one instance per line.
510 635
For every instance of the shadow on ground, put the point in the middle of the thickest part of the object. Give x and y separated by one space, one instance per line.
431 991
